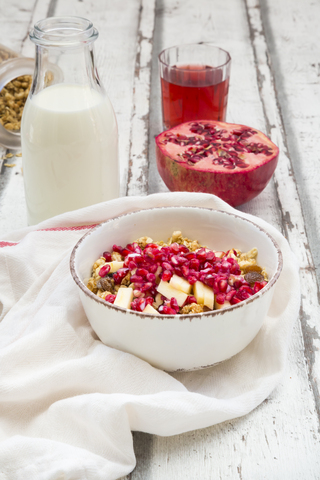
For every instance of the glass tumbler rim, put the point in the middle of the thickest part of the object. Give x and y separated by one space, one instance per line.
63 31
203 44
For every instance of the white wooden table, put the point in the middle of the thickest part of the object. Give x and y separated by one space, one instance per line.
275 87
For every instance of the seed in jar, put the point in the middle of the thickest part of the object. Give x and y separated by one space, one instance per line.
174 277
12 100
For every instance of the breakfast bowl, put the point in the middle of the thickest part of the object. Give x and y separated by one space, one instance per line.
177 342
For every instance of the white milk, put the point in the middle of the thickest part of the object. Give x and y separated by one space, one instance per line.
69 141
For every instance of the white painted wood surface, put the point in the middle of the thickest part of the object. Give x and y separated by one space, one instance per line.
274 87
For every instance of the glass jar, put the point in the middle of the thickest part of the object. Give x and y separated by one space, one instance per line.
15 78
69 132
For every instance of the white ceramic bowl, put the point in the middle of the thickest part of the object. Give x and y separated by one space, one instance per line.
178 342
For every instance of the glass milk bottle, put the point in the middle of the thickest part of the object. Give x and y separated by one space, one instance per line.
69 132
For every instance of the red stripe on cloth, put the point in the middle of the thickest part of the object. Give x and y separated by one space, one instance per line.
7 244
56 229
62 229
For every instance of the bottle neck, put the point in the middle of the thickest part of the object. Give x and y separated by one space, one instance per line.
64 53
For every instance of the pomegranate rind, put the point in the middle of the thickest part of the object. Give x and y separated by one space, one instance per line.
236 186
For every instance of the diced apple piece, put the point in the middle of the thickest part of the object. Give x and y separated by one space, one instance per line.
124 297
168 291
114 266
180 284
203 294
150 309
198 292
219 254
219 306
208 297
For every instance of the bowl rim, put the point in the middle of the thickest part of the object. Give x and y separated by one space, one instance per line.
181 317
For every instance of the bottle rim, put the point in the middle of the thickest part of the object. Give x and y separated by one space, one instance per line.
63 31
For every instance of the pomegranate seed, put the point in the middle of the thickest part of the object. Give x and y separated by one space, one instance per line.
107 256
183 249
149 300
178 271
234 300
185 271
164 309
190 299
138 259
151 277
166 275
174 261
210 256
167 266
104 270
174 247
230 294
192 279
246 288
231 260
153 268
149 253
182 260
131 265
225 266
209 280
190 256
223 284
174 304
146 287
120 274
220 298
110 298
136 279
117 248
235 269
125 252
137 293
138 304
258 286
142 272
243 295
195 264
201 254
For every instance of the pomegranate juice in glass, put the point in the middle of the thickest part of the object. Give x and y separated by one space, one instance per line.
194 83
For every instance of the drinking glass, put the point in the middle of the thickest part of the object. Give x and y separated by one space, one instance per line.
194 83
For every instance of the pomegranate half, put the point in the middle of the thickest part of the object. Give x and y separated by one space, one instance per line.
231 161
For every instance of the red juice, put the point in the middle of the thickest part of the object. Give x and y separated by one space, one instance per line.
193 92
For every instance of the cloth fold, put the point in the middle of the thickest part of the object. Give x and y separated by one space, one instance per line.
68 403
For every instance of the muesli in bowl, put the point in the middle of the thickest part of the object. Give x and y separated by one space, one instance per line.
180 276
184 340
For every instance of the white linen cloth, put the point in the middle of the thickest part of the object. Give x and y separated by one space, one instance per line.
68 403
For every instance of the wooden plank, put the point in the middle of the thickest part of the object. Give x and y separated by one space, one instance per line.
138 163
289 202
296 69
